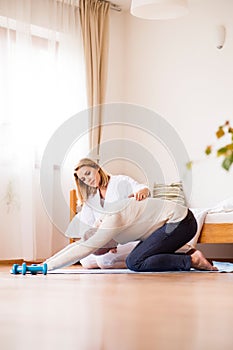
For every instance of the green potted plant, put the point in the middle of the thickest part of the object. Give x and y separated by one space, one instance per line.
226 150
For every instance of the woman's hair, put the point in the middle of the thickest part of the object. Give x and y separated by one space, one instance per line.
83 190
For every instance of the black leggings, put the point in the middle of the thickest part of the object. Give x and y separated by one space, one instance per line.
157 252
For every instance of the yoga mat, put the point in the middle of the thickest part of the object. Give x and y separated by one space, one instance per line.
222 267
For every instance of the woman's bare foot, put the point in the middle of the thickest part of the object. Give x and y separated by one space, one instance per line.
199 262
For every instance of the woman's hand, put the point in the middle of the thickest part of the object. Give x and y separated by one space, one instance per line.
89 233
102 251
140 195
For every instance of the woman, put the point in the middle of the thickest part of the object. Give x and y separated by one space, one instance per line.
95 188
161 226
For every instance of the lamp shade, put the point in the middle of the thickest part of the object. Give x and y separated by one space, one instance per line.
159 9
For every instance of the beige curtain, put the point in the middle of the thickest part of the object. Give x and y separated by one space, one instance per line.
94 16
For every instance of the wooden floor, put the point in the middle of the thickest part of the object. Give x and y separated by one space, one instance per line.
178 311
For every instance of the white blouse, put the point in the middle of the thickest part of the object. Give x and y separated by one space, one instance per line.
119 187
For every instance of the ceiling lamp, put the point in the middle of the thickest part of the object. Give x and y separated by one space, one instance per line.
159 9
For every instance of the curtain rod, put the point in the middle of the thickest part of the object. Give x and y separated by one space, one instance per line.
113 6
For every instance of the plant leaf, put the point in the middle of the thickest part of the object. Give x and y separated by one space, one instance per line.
222 151
226 164
189 165
220 132
208 150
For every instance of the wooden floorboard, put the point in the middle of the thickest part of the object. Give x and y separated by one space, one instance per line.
177 311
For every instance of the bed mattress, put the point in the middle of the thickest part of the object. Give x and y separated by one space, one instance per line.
219 218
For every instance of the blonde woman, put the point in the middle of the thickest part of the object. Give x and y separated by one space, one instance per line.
96 189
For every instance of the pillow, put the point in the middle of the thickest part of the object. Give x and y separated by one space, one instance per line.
173 192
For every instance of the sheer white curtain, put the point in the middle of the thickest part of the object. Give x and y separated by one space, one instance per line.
42 84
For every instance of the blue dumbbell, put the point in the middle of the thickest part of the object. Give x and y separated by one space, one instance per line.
36 268
16 269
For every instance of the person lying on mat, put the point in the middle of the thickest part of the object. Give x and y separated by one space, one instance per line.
96 188
161 226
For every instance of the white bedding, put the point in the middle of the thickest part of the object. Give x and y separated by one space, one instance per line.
217 218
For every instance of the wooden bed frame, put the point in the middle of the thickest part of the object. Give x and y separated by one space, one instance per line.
211 233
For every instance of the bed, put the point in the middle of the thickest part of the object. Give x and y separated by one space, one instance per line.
217 227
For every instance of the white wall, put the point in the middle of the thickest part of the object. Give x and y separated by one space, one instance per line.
174 68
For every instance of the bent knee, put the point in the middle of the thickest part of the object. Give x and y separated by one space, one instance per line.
89 262
111 261
86 265
131 264
106 261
